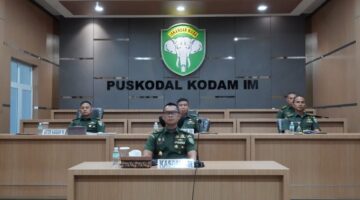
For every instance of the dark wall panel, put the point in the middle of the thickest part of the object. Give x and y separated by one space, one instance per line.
110 58
95 51
76 38
76 78
285 78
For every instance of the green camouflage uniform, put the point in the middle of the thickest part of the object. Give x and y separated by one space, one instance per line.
191 122
92 125
307 122
167 144
285 111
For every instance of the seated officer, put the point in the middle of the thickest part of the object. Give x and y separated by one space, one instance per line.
92 124
287 109
188 121
170 142
307 122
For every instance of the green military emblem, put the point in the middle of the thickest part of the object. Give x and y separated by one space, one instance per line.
183 48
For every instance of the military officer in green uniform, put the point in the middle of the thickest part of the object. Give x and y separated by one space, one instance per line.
287 109
170 142
306 121
92 124
190 122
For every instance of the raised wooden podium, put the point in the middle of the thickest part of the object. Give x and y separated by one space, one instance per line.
225 180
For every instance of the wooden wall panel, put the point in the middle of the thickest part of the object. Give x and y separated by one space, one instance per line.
26 27
334 78
334 25
2 9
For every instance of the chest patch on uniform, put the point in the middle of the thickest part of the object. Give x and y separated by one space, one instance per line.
191 122
191 140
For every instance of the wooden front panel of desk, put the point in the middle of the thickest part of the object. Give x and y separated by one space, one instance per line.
263 125
35 167
136 113
322 166
111 114
111 125
217 180
258 113
213 113
212 147
216 125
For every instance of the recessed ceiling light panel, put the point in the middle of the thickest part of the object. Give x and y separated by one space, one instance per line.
262 7
98 7
180 8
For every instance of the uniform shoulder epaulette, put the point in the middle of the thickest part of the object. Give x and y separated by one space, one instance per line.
155 132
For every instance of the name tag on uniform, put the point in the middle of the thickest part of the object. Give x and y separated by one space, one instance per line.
49 131
188 130
175 163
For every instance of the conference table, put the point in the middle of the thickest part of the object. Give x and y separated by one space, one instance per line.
225 180
321 166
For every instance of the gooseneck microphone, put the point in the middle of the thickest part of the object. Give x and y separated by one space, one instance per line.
198 163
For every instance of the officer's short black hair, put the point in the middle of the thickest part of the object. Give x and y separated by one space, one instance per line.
171 104
86 101
297 97
182 99
289 94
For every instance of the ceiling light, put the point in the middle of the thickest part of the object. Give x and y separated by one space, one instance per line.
180 8
98 7
262 8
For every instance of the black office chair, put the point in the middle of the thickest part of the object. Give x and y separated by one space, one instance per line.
204 125
97 113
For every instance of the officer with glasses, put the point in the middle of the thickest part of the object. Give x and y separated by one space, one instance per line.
170 142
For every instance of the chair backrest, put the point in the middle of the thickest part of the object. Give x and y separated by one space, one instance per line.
282 125
97 113
204 124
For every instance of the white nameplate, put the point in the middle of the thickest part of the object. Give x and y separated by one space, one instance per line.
49 131
188 130
175 163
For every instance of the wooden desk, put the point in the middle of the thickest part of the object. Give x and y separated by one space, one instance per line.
267 125
257 113
322 166
136 113
35 167
218 180
216 125
111 125
212 147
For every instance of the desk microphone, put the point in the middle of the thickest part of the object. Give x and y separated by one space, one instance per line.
198 163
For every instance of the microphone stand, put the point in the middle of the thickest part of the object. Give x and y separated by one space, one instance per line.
198 163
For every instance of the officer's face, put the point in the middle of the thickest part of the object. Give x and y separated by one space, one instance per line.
290 99
171 116
85 109
183 107
299 104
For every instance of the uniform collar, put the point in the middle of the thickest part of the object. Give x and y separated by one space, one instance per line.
302 116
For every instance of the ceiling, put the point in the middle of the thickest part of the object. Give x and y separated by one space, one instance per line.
167 8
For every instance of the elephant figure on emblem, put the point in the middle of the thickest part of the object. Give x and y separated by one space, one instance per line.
182 47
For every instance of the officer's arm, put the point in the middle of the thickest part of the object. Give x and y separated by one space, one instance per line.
316 126
73 123
191 155
101 126
149 146
148 153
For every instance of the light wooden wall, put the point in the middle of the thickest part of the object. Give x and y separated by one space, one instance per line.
25 27
333 79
